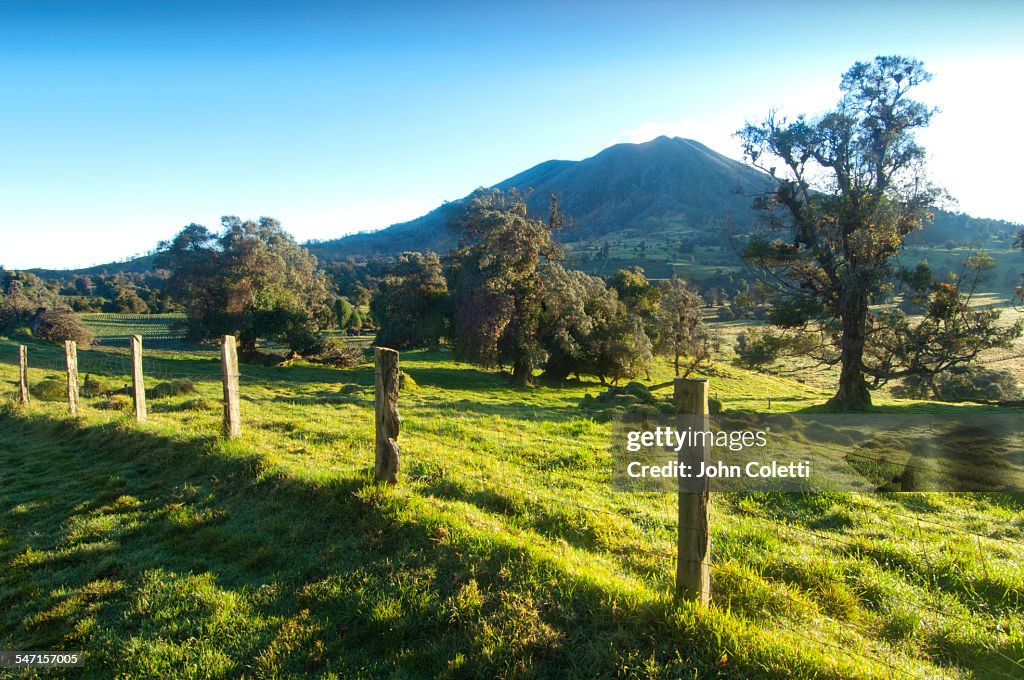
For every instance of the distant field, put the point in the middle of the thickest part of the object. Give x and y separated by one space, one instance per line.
157 329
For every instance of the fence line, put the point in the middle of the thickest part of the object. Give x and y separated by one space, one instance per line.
693 558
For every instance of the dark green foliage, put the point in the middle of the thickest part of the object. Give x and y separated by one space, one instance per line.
640 391
725 313
251 280
759 347
586 330
963 383
342 312
411 306
494 283
640 297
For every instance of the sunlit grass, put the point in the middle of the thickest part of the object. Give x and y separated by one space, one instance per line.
164 551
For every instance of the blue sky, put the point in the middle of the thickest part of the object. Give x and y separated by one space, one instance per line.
120 122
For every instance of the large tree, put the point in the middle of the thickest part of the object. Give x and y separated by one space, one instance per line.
494 282
846 190
251 280
410 305
586 329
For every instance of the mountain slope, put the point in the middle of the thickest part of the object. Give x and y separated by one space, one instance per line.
665 185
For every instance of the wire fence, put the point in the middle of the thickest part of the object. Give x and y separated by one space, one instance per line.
448 423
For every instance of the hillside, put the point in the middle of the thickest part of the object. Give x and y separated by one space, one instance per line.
671 189
667 185
504 552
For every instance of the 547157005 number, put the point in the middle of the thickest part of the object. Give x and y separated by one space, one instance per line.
41 659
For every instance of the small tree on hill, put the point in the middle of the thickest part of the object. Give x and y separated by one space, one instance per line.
681 330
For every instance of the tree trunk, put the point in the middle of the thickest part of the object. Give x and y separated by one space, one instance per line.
247 345
676 364
522 372
853 391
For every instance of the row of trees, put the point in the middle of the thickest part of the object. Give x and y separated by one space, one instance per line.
503 299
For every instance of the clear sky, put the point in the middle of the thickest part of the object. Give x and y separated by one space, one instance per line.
121 122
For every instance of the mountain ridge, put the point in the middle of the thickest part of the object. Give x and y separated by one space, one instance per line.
668 183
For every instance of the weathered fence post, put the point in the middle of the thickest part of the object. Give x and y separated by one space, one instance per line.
138 384
23 373
229 374
71 356
387 419
693 567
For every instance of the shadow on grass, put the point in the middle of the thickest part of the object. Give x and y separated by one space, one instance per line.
161 557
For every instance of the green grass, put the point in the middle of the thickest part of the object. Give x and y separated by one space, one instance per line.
164 551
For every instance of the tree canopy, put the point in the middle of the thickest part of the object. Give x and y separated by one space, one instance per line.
251 280
494 282
846 190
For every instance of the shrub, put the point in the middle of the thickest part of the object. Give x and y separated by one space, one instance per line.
197 404
640 391
93 387
50 389
58 326
964 383
115 402
336 353
175 388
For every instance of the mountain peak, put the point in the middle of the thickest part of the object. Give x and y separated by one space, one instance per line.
665 185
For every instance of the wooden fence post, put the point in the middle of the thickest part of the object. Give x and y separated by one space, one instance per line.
387 418
229 374
693 564
23 373
71 357
138 384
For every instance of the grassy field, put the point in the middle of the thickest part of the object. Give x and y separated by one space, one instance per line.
164 551
158 329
